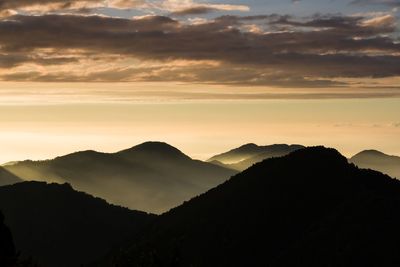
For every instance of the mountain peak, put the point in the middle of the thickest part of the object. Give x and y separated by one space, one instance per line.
246 155
248 146
376 160
155 148
319 157
79 156
237 154
319 154
155 145
370 152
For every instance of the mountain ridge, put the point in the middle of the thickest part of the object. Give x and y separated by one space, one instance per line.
377 160
242 157
59 226
152 176
248 220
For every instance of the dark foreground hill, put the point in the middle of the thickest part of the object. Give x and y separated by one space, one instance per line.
376 160
152 177
7 177
310 208
245 156
60 227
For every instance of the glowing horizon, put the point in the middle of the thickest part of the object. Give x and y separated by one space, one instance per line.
199 128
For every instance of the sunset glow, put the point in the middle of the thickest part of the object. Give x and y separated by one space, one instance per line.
205 76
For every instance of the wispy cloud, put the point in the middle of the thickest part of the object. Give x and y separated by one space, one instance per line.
205 9
10 7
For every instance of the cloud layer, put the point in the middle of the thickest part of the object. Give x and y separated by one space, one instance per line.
56 5
267 50
393 3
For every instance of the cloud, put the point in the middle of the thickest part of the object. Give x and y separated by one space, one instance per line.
8 7
317 51
45 4
392 3
198 10
189 7
12 61
7 13
178 7
125 3
385 21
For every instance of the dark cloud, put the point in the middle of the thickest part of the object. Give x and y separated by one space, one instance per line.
198 10
60 4
288 52
11 61
75 6
205 9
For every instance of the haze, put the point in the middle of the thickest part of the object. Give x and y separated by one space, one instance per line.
200 126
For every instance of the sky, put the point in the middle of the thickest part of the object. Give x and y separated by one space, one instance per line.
199 128
205 76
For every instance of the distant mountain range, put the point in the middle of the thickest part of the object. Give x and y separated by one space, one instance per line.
155 177
309 208
152 177
376 160
245 156
60 227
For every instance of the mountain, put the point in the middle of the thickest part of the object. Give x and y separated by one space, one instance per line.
238 154
376 160
309 208
7 177
8 254
59 226
245 156
152 177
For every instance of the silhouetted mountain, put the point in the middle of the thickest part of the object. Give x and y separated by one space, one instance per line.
7 177
58 226
243 157
376 160
238 154
309 208
152 177
154 150
8 255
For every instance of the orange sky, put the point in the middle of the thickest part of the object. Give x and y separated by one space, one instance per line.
44 125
